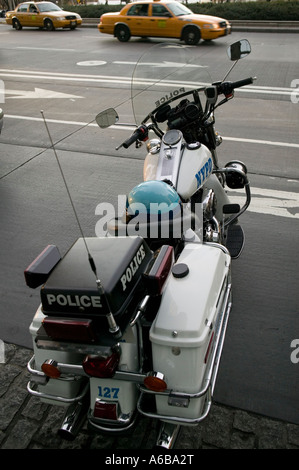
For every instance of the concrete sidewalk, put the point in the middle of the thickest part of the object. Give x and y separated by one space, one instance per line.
26 423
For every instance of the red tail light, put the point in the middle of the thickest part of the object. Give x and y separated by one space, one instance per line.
105 410
69 329
157 274
100 367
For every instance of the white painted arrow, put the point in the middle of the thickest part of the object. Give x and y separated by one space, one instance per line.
165 63
273 202
39 93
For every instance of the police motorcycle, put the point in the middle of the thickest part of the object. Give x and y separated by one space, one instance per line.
133 323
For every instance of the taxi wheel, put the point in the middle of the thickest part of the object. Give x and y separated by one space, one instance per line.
16 24
191 36
122 33
48 24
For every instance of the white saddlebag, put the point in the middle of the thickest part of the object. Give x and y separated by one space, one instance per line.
186 328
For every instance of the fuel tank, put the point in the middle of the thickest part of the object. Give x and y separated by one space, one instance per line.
187 166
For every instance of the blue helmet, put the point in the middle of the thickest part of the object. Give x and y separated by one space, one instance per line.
152 197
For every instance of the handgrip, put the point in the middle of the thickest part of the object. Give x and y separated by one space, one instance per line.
141 133
245 81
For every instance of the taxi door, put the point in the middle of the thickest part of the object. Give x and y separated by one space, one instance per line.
138 20
22 13
34 16
163 23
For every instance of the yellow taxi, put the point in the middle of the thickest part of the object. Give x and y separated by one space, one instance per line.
165 18
43 15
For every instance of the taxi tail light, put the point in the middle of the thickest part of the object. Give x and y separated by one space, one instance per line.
159 269
70 329
105 410
101 367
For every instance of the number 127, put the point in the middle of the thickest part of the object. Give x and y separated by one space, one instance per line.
107 392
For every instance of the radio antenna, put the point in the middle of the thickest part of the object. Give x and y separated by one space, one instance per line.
113 327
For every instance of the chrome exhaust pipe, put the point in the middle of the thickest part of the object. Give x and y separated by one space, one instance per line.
167 436
73 420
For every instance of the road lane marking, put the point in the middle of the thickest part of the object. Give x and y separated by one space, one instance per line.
272 202
263 201
129 127
262 142
38 93
45 49
127 80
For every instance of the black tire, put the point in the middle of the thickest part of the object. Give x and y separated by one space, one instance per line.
48 24
122 33
191 35
16 24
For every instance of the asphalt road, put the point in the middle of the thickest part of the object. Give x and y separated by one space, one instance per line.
72 75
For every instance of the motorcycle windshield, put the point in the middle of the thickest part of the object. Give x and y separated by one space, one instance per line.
164 74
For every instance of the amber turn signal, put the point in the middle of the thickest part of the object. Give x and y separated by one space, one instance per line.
155 381
50 368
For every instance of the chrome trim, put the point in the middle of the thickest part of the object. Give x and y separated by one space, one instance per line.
167 436
78 348
124 422
55 397
76 371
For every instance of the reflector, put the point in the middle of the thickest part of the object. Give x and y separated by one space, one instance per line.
155 381
49 367
157 274
38 271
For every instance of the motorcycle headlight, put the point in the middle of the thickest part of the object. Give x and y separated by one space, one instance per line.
236 173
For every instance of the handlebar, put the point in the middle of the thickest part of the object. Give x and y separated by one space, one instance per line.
226 88
141 133
187 113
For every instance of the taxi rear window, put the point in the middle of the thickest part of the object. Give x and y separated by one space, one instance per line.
138 10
